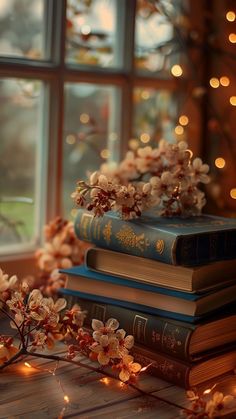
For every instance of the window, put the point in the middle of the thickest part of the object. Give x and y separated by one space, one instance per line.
81 82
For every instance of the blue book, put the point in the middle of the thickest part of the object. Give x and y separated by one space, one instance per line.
178 241
145 297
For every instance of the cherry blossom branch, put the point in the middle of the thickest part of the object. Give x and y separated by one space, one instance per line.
10 361
5 312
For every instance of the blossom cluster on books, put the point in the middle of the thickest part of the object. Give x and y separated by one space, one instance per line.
165 177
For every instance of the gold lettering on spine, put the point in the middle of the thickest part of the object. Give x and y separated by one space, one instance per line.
128 239
139 328
160 246
107 231
85 226
96 229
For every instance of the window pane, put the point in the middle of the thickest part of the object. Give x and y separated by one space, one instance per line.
157 45
91 30
22 28
155 114
91 132
20 121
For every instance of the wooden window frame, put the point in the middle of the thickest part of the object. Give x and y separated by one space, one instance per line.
55 72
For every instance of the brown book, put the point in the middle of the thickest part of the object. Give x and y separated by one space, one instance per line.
189 279
184 374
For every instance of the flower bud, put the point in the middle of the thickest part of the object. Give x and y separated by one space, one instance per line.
93 178
146 188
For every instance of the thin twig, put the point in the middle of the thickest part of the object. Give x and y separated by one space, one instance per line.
12 359
13 320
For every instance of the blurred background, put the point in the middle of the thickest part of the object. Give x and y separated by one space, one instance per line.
83 81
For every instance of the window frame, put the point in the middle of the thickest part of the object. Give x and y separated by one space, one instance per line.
55 72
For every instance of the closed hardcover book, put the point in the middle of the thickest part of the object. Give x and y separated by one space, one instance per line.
187 375
190 279
191 241
157 300
178 339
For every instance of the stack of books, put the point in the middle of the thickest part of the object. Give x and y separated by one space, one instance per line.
170 282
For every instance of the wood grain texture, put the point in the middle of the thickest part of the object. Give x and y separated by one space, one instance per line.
32 394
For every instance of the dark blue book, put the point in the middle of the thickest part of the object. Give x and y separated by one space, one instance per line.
178 241
145 297
186 341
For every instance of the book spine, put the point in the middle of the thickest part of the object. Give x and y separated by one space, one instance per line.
194 250
126 237
163 367
154 332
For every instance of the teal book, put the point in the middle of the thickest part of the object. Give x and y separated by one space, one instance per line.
146 297
189 241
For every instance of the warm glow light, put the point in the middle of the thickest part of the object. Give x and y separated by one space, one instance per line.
105 153
145 138
85 29
27 365
233 193
220 162
70 139
230 16
176 70
207 391
214 82
105 381
232 38
84 118
145 94
145 368
224 81
183 120
179 130
133 144
66 399
233 100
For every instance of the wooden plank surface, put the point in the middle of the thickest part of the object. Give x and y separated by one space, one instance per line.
27 392
32 394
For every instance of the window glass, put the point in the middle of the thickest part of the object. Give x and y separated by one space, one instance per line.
155 114
157 42
22 28
91 30
91 132
20 121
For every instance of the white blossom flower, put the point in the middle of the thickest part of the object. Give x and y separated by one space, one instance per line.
200 171
7 283
217 403
148 160
101 329
128 367
125 342
128 167
107 348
